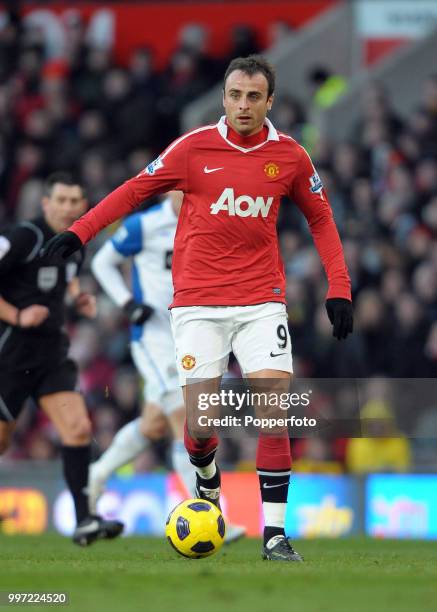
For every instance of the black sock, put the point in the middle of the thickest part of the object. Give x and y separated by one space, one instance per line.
202 461
274 490
270 532
76 460
211 483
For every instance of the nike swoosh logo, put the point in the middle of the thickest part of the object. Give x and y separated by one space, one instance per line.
93 526
272 354
267 486
210 493
208 170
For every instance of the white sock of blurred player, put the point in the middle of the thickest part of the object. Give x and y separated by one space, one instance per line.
182 465
127 444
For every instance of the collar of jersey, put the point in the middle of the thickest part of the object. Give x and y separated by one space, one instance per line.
222 128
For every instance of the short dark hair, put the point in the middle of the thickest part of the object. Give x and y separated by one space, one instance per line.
253 64
66 178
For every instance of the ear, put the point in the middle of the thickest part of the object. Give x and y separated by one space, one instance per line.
223 97
270 102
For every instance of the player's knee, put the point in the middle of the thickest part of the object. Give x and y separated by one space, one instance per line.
80 431
153 430
177 420
4 443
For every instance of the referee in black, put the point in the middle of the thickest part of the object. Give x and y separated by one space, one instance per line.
34 348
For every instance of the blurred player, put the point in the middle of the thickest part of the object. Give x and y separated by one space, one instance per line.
34 348
148 238
228 277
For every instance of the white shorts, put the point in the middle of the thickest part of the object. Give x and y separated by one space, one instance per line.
154 358
205 335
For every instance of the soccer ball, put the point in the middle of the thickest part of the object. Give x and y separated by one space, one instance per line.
195 528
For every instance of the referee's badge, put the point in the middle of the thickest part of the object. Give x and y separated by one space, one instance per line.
188 362
47 278
70 271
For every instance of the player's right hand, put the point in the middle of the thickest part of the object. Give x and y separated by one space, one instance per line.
32 316
137 313
61 246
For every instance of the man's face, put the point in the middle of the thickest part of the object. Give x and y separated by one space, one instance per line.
63 206
246 101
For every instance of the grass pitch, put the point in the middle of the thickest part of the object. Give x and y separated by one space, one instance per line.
356 575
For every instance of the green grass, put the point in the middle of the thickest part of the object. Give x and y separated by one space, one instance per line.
356 575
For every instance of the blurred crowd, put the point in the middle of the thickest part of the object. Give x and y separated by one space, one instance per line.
84 112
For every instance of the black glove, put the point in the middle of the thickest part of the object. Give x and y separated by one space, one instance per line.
341 315
61 246
137 313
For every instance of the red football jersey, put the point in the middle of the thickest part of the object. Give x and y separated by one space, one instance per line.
226 248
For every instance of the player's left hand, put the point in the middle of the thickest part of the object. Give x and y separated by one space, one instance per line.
86 305
61 246
137 313
341 315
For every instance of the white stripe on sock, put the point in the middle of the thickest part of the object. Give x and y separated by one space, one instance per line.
208 471
274 514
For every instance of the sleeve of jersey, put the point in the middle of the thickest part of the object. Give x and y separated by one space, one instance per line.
166 172
307 192
105 266
17 246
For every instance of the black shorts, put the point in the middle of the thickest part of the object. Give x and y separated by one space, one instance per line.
51 372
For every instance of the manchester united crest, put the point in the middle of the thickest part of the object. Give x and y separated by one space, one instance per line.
271 170
188 362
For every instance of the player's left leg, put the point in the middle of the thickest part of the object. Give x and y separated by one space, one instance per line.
263 349
273 465
66 409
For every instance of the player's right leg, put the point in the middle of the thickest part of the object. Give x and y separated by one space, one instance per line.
6 430
201 442
154 357
150 355
67 411
186 471
202 337
15 387
179 456
128 443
